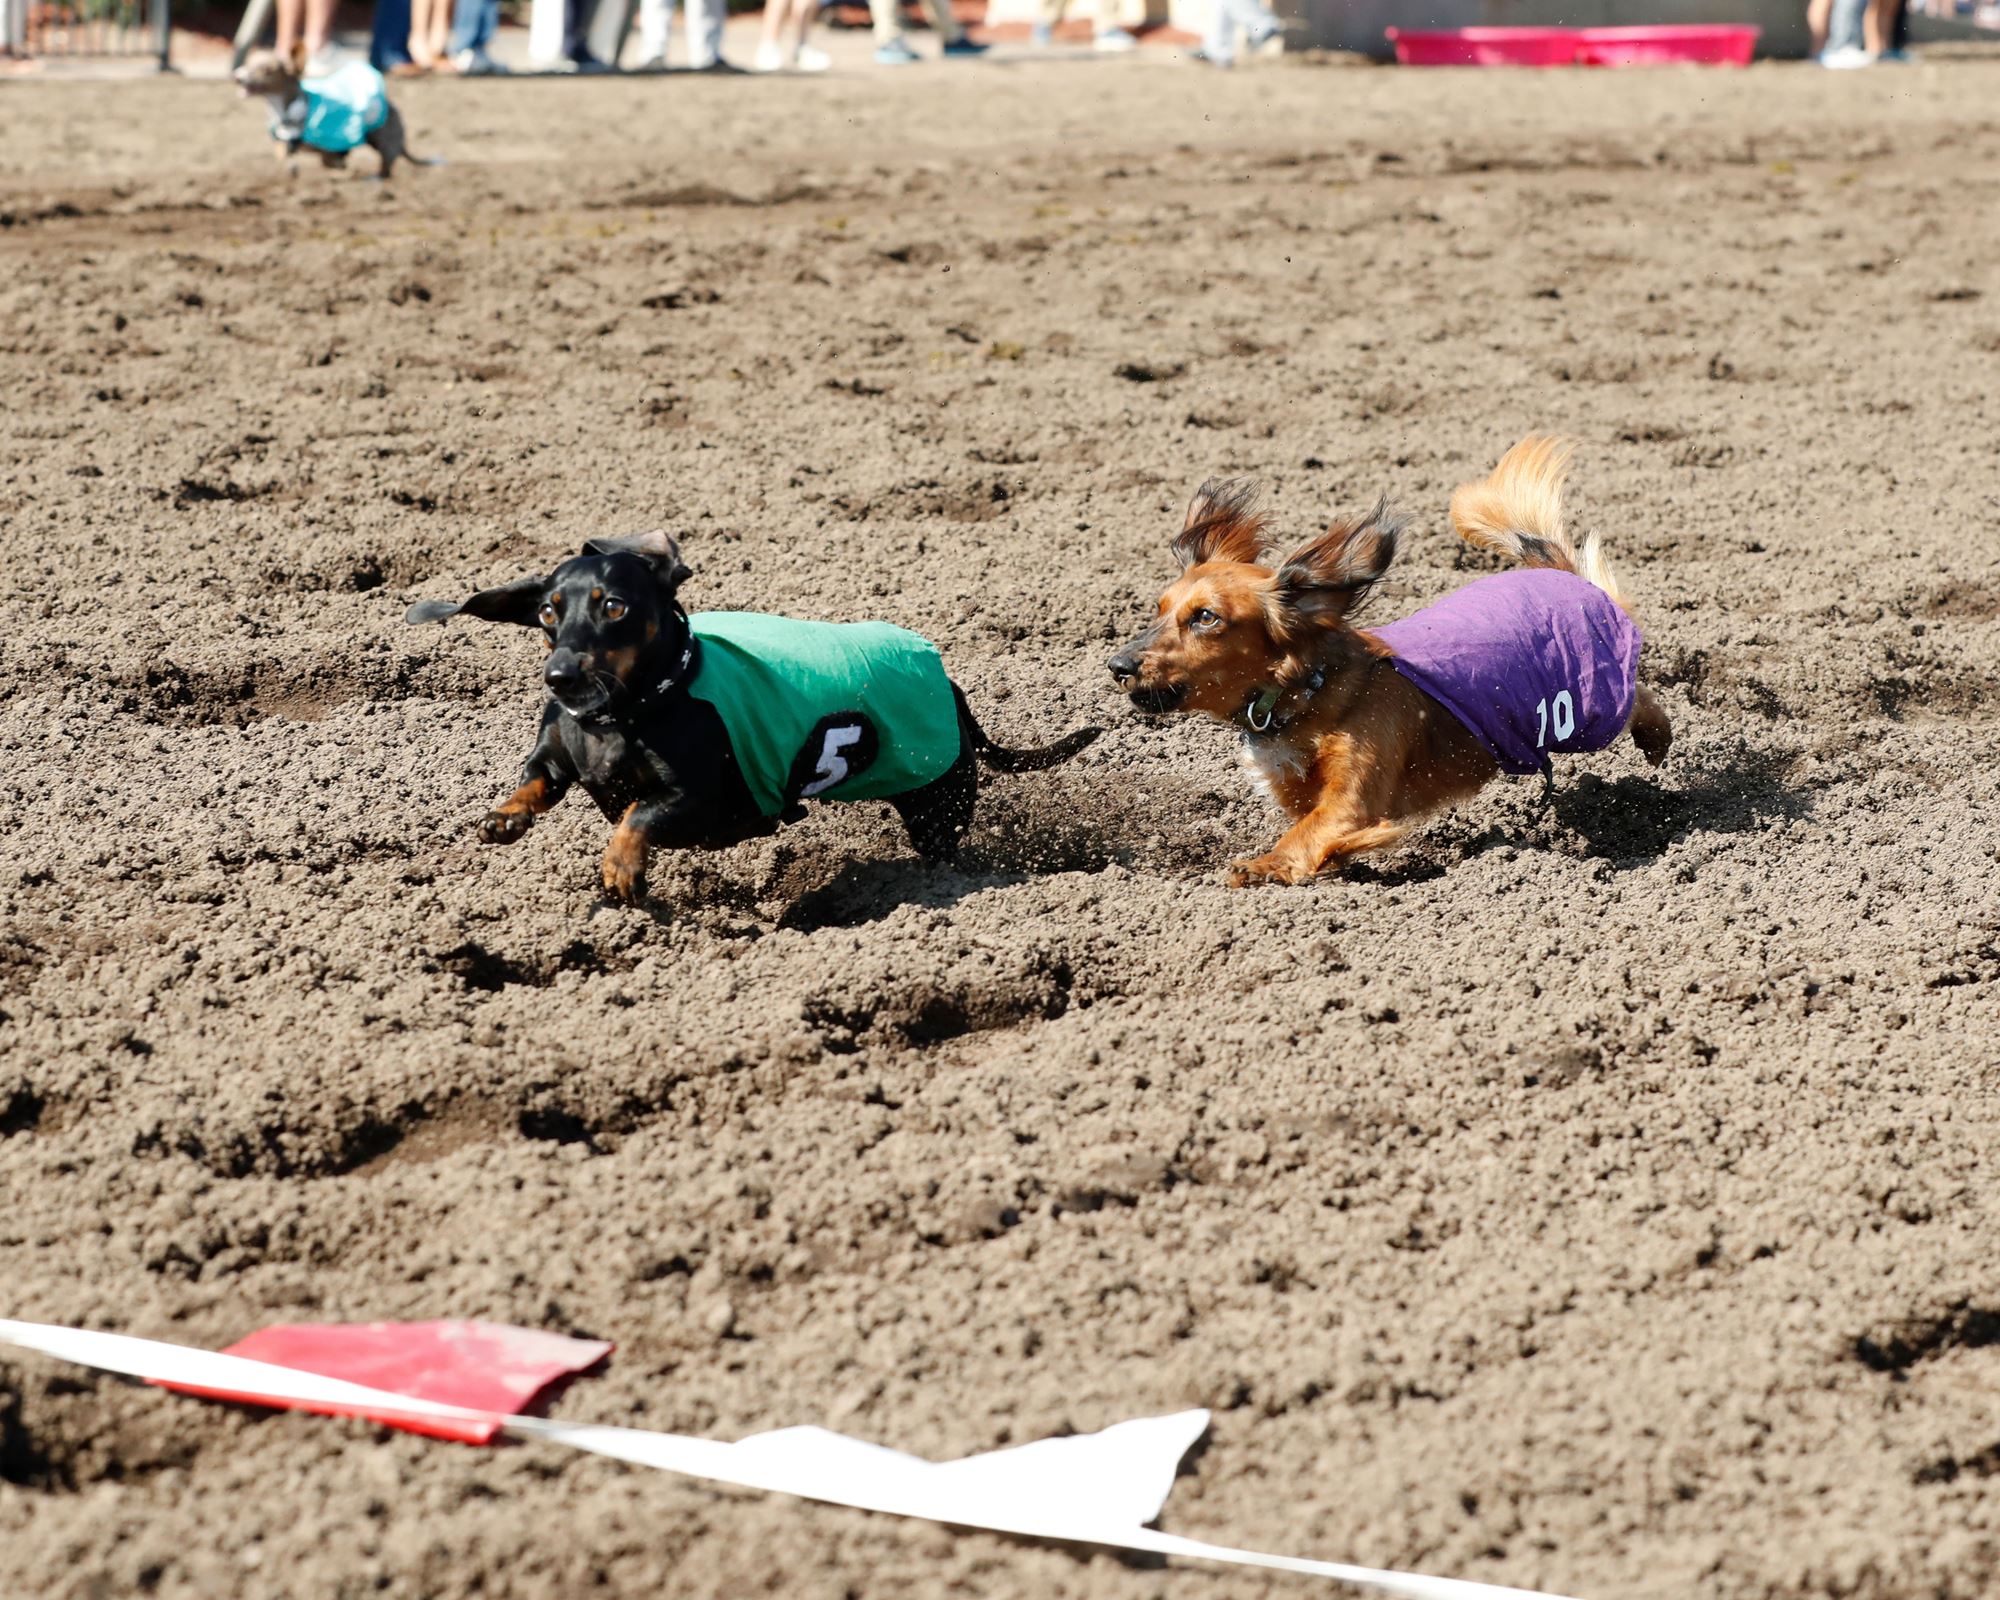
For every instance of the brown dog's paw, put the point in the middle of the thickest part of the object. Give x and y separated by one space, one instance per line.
1272 868
502 827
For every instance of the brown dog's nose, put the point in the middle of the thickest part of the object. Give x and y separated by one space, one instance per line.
1124 666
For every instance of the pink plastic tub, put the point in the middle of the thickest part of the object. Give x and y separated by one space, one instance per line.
1487 47
1710 43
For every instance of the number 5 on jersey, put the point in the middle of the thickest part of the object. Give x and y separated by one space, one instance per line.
832 764
840 747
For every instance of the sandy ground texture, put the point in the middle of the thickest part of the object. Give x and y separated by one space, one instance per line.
1590 1196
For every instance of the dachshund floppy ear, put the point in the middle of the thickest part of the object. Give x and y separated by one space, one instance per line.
517 602
1223 524
1327 581
657 549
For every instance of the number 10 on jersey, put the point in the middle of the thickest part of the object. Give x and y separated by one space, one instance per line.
1565 719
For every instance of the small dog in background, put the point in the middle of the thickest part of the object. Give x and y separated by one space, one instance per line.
1359 732
330 116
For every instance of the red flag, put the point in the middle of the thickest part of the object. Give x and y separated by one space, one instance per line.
483 1366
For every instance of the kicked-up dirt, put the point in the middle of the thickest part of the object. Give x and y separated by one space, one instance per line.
1590 1194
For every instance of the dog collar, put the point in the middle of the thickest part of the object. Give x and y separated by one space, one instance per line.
1261 714
672 680
632 703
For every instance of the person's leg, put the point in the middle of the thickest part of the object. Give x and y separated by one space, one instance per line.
656 24
704 31
1110 35
771 55
1875 27
319 28
1049 14
886 18
468 18
945 24
389 43
576 30
421 19
1218 39
1844 34
290 13
803 12
1818 14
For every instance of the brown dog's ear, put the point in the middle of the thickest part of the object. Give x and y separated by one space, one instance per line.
657 549
518 602
1327 581
1223 524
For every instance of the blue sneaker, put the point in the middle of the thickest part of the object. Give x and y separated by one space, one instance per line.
896 53
965 49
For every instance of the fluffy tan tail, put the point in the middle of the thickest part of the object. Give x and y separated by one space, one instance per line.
1518 513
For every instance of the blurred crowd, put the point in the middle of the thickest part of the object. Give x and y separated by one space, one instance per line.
414 37
1864 33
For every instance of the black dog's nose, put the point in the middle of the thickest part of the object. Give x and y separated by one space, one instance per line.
1124 666
563 673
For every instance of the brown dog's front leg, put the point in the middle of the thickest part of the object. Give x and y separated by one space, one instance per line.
513 816
1651 731
625 858
1325 836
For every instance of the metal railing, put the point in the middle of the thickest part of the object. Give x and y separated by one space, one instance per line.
61 29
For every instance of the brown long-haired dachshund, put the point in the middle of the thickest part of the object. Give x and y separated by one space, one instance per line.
1357 732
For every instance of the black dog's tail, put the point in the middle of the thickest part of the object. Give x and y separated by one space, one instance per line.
1002 759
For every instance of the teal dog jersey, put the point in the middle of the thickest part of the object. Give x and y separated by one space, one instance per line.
826 710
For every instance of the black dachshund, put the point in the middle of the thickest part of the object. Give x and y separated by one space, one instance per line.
698 732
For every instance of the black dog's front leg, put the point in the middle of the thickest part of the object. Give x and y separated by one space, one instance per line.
644 823
677 820
543 783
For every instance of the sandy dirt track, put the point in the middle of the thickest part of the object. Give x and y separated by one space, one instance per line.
1594 1197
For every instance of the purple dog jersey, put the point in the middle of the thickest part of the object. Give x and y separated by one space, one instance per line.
1532 661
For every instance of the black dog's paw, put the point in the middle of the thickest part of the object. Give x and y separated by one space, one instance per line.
624 882
503 827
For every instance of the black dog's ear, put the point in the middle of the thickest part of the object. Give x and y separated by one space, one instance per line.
516 602
1223 524
657 549
1328 580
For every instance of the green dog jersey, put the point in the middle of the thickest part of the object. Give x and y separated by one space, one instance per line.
826 710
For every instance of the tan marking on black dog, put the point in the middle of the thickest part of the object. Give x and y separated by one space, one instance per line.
512 817
625 860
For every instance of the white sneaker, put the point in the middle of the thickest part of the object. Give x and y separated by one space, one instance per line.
811 60
1846 58
655 63
477 64
1115 42
321 63
769 59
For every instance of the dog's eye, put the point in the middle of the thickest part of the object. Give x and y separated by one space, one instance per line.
547 615
614 610
1204 620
